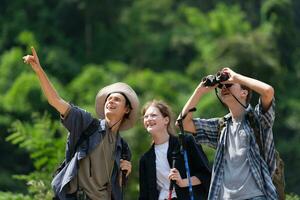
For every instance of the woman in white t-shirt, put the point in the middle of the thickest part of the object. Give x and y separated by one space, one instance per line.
155 168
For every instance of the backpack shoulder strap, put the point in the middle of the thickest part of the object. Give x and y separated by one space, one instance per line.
125 152
221 125
255 126
92 127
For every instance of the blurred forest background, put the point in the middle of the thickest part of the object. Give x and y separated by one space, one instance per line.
161 48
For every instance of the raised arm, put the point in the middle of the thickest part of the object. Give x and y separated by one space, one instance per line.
52 96
191 103
265 91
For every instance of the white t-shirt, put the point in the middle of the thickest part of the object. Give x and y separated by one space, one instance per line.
162 171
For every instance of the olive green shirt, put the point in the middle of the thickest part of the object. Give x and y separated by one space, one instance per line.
95 170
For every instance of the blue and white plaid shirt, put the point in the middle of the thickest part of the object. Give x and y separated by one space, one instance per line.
207 132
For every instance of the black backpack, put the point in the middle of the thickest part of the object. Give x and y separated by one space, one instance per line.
278 177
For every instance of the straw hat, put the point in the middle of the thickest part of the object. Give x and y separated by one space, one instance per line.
118 87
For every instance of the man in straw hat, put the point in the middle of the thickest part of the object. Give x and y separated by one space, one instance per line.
92 166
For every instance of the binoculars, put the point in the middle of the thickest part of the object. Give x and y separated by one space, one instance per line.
212 80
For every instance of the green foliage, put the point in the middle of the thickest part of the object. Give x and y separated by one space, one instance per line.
24 94
86 84
156 38
222 23
27 39
160 86
10 67
38 139
13 196
61 64
161 49
93 77
292 197
292 120
226 21
279 14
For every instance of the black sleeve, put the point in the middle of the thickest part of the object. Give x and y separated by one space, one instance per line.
199 162
126 152
143 180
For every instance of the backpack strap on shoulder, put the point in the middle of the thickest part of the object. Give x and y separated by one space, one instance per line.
92 128
254 124
221 124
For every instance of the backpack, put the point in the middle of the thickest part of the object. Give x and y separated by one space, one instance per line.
93 126
278 176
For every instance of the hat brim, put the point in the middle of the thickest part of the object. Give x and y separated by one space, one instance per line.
118 87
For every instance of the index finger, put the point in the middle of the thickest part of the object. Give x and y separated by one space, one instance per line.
34 52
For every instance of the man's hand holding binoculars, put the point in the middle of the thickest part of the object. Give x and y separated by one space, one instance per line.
224 77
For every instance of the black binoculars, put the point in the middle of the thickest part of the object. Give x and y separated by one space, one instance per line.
212 80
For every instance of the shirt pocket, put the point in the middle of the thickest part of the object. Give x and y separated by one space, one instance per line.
243 143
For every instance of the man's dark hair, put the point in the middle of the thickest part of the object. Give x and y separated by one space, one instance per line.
249 96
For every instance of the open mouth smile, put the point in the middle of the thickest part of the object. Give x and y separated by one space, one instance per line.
150 124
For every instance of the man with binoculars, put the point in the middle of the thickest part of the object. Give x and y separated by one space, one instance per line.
241 170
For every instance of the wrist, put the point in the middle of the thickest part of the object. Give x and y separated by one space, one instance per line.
181 183
237 77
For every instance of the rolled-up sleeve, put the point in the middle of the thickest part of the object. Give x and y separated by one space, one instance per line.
266 117
76 122
207 131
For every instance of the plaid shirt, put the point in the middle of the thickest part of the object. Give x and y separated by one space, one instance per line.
207 133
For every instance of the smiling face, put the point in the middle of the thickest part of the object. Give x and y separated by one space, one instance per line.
115 106
154 121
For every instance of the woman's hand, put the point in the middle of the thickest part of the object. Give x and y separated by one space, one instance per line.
175 175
